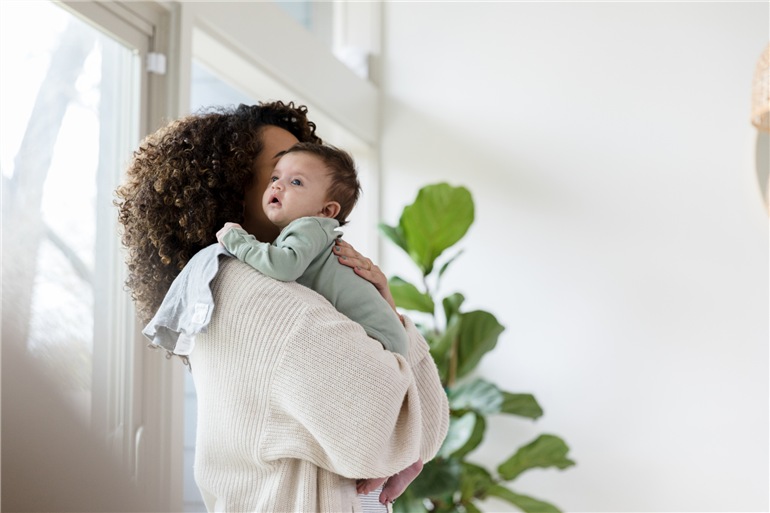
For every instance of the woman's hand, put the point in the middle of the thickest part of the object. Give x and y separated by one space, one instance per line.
362 266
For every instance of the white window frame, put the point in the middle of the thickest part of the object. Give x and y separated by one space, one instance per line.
137 397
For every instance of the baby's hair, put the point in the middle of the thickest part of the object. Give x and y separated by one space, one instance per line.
345 188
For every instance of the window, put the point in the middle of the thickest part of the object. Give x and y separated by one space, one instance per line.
75 102
69 116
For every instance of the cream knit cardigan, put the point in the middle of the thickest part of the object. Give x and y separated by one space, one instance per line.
295 402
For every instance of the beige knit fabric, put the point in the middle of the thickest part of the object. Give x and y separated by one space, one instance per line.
295 401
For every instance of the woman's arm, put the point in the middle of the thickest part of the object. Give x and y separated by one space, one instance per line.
345 404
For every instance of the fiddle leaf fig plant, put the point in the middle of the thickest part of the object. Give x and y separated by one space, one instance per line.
437 220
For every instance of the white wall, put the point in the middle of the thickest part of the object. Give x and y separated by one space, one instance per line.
620 235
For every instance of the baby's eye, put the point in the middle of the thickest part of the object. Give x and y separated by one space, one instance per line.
273 178
296 181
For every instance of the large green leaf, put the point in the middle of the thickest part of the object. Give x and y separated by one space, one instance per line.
460 431
523 405
474 482
478 395
545 451
478 335
407 296
452 305
479 428
523 502
439 217
395 234
438 477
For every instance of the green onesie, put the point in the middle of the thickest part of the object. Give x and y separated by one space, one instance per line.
302 253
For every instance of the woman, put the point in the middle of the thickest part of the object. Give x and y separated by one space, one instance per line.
295 402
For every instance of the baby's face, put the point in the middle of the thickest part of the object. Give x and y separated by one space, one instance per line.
297 188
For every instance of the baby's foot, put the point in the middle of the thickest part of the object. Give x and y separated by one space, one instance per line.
398 483
365 486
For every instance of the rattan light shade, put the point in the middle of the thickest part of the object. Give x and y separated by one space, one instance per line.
760 97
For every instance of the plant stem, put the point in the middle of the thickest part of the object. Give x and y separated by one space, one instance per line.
429 293
452 377
452 362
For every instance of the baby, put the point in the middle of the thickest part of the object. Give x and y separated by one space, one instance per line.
312 190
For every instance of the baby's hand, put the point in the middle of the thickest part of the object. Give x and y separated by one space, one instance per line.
226 228
364 486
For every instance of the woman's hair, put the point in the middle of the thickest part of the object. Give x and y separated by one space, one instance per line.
344 187
184 182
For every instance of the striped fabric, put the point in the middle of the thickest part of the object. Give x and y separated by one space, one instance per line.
370 503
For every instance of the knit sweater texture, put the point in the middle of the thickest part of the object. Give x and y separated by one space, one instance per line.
295 402
303 252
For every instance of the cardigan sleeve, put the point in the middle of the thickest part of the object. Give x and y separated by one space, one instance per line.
342 402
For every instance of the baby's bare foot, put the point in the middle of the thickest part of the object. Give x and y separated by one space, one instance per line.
398 483
365 486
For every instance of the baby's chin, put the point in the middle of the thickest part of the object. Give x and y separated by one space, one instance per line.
279 223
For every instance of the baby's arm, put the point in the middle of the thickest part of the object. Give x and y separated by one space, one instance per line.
286 260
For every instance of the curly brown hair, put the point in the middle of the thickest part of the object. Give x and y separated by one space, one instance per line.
184 182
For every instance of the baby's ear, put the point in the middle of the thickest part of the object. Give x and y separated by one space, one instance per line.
330 210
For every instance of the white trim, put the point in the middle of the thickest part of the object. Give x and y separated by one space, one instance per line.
140 411
112 17
266 38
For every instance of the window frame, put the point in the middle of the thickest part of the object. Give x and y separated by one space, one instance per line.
137 400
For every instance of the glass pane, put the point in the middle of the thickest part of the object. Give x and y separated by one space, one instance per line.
316 17
59 131
207 90
300 10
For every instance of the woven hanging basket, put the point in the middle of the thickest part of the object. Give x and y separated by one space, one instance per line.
760 97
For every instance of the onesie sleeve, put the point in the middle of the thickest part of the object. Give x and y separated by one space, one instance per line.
342 402
291 253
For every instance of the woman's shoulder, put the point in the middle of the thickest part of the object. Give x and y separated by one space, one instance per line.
239 283
244 296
